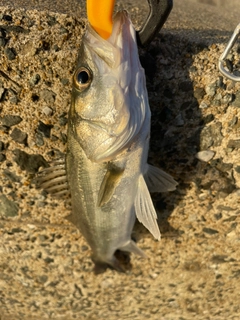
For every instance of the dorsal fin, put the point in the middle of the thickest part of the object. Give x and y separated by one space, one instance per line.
159 181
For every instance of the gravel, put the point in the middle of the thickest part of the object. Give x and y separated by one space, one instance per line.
8 208
29 162
1 146
10 53
10 120
234 144
44 129
236 102
2 157
19 136
46 271
205 155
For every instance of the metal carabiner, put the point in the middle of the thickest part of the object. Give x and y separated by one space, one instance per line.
159 12
223 56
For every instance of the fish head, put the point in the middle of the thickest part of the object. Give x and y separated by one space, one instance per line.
109 97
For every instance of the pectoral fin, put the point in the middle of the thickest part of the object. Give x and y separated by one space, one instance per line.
144 208
109 184
159 181
54 179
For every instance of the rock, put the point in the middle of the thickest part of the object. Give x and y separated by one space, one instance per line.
47 111
2 90
4 129
48 96
63 120
11 176
227 98
208 118
10 53
1 146
15 29
216 133
203 105
64 81
206 140
3 42
225 208
29 162
19 136
10 120
218 97
51 21
17 230
54 138
45 129
43 278
63 137
233 122
7 17
2 157
236 102
34 79
219 258
199 93
210 231
211 136
205 155
8 208
218 216
210 89
237 169
2 33
229 65
220 165
13 96
234 144
220 83
39 139
48 260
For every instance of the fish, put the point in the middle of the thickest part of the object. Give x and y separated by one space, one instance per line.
105 169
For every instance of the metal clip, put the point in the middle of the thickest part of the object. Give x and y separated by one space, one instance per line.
159 11
223 57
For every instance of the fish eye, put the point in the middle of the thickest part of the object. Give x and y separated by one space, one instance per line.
82 78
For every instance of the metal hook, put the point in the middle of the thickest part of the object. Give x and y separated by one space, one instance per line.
223 57
159 12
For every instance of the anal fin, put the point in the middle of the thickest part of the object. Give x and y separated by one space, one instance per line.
145 210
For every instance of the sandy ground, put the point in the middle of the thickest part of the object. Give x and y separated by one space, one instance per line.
45 266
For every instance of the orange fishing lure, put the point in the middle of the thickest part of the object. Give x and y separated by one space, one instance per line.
99 14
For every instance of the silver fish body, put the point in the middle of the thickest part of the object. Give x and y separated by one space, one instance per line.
108 139
102 196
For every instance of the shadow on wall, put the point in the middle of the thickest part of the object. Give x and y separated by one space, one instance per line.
177 132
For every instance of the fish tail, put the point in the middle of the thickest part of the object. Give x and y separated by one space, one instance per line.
101 264
130 246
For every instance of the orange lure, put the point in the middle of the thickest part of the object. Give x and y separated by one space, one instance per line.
99 14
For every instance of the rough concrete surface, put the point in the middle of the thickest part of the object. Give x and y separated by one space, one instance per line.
45 265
